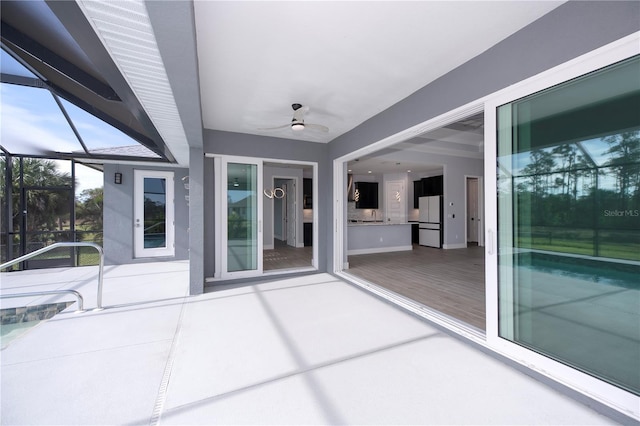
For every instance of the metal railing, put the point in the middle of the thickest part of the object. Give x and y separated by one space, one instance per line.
58 245
43 293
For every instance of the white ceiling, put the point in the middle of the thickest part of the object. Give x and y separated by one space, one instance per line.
347 61
463 138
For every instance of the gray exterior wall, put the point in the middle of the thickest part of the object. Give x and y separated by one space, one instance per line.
118 215
572 29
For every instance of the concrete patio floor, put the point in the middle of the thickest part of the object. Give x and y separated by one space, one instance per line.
305 350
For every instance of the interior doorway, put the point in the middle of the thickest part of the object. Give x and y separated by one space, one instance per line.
447 159
288 239
284 212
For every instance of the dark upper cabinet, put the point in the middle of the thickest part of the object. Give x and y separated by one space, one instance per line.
307 193
417 192
367 195
427 187
432 186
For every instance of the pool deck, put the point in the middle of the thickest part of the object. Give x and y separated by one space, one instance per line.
305 350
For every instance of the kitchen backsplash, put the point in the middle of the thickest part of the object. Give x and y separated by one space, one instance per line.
363 214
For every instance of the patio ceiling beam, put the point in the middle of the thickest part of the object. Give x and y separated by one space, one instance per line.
22 80
32 48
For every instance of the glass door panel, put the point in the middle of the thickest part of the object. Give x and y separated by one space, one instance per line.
568 181
154 215
153 222
243 219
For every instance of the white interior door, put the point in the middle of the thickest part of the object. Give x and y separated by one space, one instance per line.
395 201
242 218
153 213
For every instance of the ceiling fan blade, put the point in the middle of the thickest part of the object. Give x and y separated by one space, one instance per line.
319 127
275 128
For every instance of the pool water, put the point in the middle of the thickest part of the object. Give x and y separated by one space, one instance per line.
10 332
15 322
582 312
596 271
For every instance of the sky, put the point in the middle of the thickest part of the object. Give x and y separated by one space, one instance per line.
33 124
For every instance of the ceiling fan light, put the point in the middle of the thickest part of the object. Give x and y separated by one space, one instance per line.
297 126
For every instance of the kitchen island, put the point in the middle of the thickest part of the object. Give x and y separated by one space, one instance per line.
378 237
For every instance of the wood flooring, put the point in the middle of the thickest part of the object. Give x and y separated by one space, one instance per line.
283 256
450 281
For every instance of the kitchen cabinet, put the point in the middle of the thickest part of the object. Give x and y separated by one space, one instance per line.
307 193
308 234
427 187
415 233
366 195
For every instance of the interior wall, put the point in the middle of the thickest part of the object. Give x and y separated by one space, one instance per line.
118 215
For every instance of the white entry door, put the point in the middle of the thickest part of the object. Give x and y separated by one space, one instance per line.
153 213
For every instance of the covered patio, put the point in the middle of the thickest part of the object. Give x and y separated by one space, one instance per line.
300 350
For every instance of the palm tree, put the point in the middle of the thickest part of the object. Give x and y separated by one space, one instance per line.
46 209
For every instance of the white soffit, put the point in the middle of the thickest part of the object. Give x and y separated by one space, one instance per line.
347 61
126 32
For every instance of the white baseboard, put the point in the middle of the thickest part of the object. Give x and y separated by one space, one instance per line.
454 246
379 250
300 245
268 247
345 265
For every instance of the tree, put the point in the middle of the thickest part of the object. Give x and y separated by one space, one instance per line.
624 152
89 209
45 208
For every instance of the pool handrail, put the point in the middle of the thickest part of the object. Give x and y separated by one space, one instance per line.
45 292
70 244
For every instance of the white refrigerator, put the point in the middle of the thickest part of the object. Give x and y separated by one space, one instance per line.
430 221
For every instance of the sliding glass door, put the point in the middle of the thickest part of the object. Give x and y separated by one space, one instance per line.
242 218
568 222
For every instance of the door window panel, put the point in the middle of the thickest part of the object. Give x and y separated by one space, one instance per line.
242 217
569 223
155 203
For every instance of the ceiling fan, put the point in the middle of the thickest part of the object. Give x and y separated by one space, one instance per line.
297 123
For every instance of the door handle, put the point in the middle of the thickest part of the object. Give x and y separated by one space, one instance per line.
491 247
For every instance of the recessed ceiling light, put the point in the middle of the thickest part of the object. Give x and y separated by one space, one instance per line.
349 170
408 171
369 171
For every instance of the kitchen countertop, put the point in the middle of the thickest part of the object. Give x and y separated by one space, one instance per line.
375 223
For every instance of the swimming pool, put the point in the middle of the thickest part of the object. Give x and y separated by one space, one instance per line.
15 322
624 275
